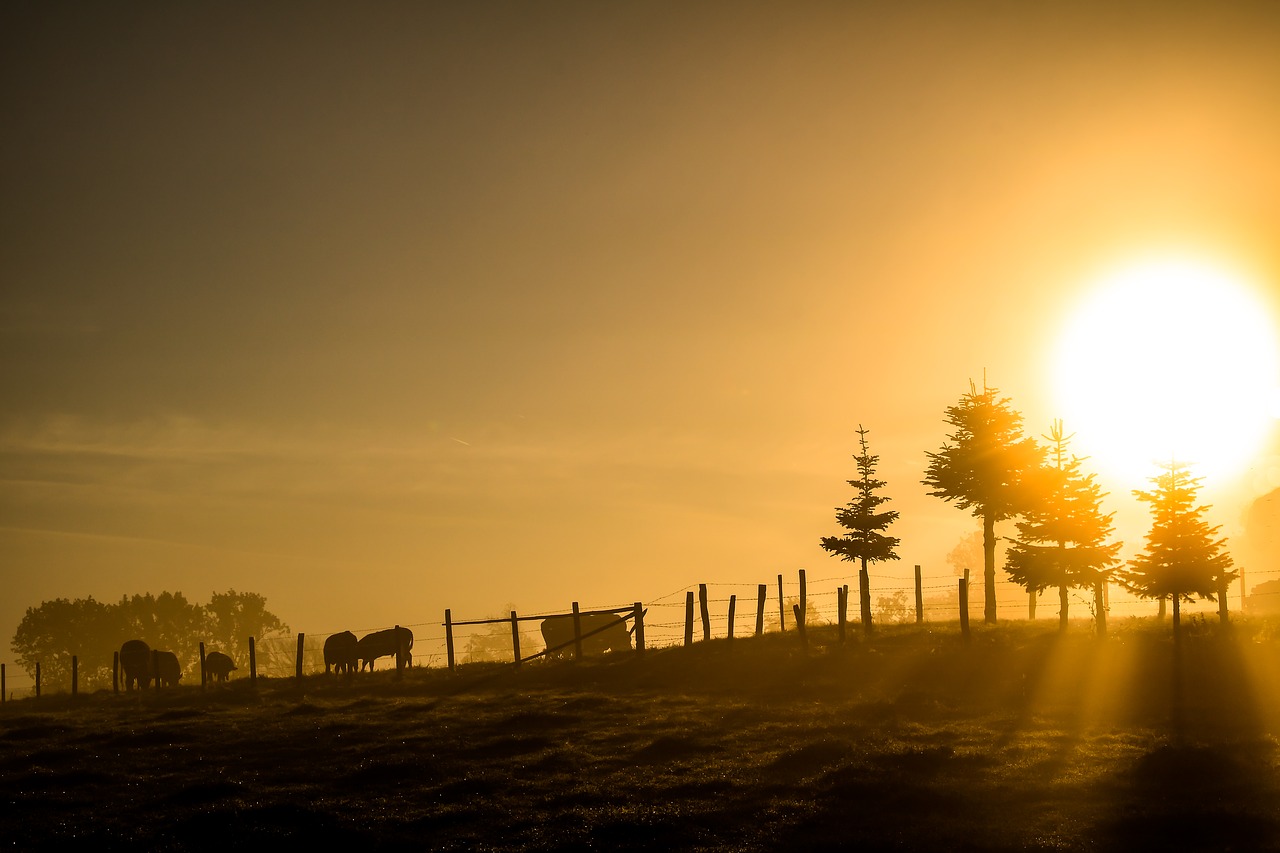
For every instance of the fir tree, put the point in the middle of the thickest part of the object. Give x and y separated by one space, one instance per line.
1183 557
866 540
983 469
1063 538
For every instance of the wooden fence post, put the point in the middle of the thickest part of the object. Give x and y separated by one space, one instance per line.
75 675
577 632
1242 596
400 650
298 665
115 672
706 613
515 637
4 695
964 606
638 614
804 599
253 663
762 591
37 679
919 597
448 639
842 605
688 619
204 677
804 639
733 605
782 607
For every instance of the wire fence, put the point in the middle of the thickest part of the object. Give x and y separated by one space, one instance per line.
488 639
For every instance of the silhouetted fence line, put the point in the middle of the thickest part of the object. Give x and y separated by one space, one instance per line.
674 619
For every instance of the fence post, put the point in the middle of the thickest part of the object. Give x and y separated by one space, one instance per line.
842 606
399 650
75 675
298 665
733 605
762 591
706 613
782 607
804 599
515 637
37 679
253 663
804 639
204 677
4 695
919 598
577 632
1242 597
688 619
448 638
115 672
964 606
638 612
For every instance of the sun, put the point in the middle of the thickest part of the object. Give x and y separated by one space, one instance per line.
1168 357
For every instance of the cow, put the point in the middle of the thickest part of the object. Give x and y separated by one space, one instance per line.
383 643
340 653
135 663
608 634
166 669
217 666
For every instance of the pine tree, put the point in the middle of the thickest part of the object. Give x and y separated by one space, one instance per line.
865 540
984 469
1183 557
1063 538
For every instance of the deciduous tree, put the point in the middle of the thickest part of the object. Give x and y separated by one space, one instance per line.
982 469
865 540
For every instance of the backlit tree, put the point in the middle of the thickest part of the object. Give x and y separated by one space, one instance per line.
1063 538
1184 558
865 540
982 469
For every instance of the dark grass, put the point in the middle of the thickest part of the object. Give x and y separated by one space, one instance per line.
910 740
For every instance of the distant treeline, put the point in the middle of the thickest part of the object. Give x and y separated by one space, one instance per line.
93 630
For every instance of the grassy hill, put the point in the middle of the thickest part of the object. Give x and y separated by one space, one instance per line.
1021 739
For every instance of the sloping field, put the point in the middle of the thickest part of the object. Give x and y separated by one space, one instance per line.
1020 740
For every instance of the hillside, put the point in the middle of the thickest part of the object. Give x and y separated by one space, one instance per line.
912 740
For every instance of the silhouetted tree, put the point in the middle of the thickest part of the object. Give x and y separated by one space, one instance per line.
92 631
166 621
231 618
865 540
51 633
983 470
1063 539
1183 556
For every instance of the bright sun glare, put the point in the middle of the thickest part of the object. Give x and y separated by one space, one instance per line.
1168 358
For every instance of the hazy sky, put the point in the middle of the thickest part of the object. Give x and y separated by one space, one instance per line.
378 309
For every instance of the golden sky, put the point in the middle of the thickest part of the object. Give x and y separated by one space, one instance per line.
380 309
